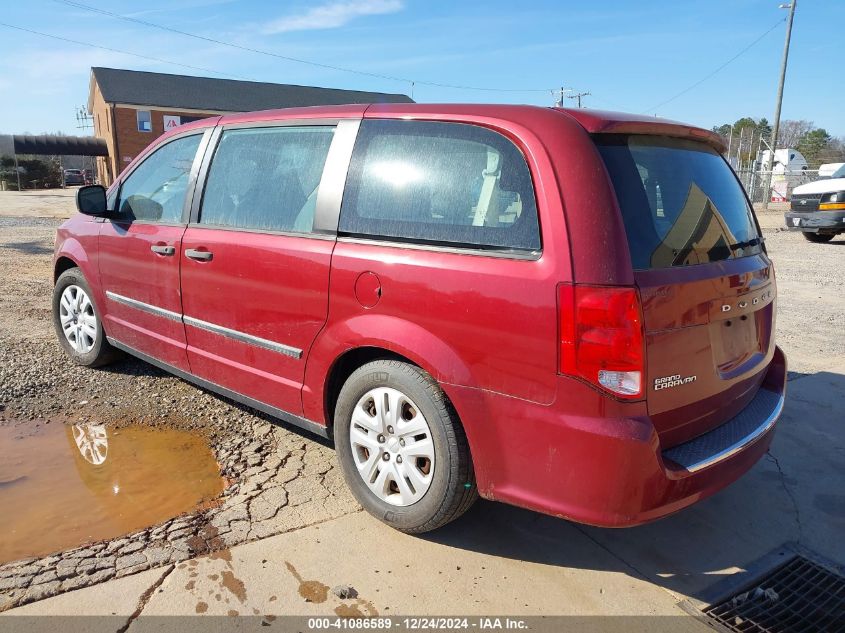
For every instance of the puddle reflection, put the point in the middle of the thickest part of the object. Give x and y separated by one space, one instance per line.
62 486
92 442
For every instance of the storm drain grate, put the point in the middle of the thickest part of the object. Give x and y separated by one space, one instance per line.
798 596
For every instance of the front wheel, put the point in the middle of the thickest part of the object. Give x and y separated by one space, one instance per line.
77 321
819 238
401 447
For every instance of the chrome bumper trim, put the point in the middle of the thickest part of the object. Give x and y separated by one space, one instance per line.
731 437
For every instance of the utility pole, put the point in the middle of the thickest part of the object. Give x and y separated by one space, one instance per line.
84 121
578 96
560 95
776 128
17 170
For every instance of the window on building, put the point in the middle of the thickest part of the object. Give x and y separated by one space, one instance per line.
439 183
266 178
155 190
145 122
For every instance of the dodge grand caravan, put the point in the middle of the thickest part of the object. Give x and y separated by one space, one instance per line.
566 310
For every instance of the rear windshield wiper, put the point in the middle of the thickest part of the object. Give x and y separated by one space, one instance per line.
752 242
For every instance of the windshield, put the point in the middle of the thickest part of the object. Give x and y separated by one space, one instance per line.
680 202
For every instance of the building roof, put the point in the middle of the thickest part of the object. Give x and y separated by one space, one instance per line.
163 90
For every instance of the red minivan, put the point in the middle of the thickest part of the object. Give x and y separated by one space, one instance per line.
567 310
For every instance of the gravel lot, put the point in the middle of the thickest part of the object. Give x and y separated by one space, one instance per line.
281 479
811 306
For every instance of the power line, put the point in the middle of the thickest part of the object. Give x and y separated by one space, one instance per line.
561 94
701 81
116 50
614 106
260 51
578 96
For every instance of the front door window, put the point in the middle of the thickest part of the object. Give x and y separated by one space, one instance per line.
155 190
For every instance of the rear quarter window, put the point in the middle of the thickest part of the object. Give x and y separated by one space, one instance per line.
681 204
439 183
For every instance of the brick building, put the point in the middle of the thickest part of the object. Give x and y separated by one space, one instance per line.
132 108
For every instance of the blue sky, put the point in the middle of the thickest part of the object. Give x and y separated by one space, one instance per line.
631 56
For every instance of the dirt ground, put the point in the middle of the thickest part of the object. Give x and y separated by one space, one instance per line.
50 203
281 479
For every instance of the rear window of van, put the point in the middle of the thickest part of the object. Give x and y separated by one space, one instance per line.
680 202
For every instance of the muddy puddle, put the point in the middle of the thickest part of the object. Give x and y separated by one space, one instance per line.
66 485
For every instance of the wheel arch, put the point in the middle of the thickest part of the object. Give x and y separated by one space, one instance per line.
367 337
62 264
351 358
344 366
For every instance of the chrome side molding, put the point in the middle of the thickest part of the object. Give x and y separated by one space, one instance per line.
145 307
249 339
285 416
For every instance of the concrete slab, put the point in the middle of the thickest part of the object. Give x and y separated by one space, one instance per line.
119 597
393 573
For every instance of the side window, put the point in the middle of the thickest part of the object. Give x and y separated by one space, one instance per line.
266 178
439 183
155 190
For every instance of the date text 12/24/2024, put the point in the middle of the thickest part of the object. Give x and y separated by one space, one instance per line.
418 623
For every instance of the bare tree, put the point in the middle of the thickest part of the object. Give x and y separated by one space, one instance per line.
792 132
834 152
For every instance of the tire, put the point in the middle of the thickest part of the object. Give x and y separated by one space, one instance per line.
94 350
818 238
440 495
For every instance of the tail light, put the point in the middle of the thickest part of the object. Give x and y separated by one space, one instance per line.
601 337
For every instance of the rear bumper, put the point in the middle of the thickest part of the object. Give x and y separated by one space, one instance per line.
815 220
611 471
735 435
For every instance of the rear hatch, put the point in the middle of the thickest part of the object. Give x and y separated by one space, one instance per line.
706 283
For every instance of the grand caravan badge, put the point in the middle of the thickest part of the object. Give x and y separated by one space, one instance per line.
667 382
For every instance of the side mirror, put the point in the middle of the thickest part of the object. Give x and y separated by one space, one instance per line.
91 200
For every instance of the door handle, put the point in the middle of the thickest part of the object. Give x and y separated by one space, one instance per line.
200 256
161 249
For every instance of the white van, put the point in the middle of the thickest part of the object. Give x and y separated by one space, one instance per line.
817 209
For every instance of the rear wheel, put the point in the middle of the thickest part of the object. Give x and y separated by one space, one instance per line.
77 321
819 237
401 447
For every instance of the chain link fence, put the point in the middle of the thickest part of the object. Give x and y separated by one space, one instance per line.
782 184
